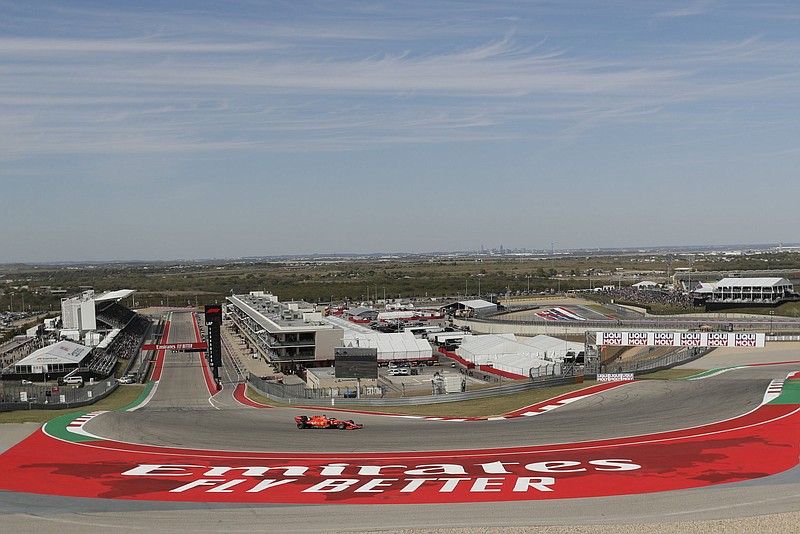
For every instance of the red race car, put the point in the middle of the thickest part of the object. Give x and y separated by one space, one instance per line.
323 421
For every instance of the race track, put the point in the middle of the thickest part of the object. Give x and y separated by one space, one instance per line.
605 427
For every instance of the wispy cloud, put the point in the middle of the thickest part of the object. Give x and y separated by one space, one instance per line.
690 9
186 81
19 48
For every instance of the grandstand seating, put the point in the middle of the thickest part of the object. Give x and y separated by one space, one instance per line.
115 315
124 345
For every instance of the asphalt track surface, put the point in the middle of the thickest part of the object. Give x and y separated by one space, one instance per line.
182 413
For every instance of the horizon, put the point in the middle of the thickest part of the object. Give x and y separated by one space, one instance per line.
508 252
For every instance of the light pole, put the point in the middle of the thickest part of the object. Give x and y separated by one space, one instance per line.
529 283
771 316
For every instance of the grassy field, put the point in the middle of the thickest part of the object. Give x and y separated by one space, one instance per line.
670 374
364 279
123 396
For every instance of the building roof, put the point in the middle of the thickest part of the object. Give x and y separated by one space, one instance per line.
753 282
704 287
268 314
62 352
115 295
478 304
359 310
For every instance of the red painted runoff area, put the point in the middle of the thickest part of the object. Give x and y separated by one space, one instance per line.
240 394
761 443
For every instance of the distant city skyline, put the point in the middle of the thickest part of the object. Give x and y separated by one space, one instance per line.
166 130
676 251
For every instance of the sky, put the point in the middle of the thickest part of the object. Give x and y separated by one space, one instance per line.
158 130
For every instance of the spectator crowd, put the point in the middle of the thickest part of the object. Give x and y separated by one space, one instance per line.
669 298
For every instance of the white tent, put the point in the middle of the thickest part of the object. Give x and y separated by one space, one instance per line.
57 357
399 346
526 366
394 315
552 348
505 353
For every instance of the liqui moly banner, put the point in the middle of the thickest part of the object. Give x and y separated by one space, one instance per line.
681 339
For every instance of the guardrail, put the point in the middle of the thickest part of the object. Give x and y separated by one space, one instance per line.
300 394
678 356
59 397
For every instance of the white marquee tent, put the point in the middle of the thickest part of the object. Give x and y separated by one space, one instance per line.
398 346
505 353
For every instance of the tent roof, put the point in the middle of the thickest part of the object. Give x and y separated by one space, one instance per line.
478 304
493 344
397 342
61 352
548 343
523 361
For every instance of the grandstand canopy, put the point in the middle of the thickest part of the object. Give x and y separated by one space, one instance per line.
753 282
115 295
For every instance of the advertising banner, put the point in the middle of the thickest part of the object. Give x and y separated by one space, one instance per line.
681 339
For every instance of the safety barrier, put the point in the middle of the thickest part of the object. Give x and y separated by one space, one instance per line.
50 397
299 394
676 357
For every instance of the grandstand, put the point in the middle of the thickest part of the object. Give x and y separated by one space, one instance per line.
105 331
122 344
749 292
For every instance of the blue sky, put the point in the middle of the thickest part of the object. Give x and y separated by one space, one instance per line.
207 129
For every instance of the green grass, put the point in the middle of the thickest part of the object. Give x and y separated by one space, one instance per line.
123 396
489 407
670 374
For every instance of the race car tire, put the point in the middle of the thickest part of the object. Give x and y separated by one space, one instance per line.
301 425
342 425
